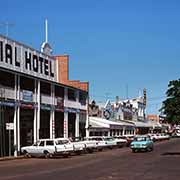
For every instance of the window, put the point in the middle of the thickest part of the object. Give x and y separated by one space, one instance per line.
59 142
82 98
49 143
36 144
41 143
71 95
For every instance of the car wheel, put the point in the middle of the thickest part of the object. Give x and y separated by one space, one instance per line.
26 154
66 155
89 150
78 152
133 150
47 154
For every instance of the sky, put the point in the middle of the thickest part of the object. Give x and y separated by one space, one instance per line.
119 46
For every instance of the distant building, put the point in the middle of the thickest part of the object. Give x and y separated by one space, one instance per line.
153 117
129 112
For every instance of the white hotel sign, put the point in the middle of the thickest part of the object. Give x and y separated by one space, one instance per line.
18 57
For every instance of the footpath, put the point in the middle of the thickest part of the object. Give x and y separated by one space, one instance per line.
6 158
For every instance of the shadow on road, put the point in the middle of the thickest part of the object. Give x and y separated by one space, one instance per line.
170 153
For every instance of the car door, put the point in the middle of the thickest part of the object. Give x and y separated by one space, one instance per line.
33 150
41 147
50 146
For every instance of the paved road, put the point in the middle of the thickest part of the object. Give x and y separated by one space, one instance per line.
117 164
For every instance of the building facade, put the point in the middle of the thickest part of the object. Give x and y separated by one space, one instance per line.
34 101
102 121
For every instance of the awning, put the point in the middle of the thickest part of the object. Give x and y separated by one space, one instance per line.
111 124
104 123
142 124
147 124
95 126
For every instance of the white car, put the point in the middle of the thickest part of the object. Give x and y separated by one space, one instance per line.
78 145
154 137
165 136
103 142
110 141
48 148
91 144
120 141
159 137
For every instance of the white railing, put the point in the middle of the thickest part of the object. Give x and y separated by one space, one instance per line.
7 92
74 104
45 99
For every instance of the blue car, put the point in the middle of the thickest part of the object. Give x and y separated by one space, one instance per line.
142 143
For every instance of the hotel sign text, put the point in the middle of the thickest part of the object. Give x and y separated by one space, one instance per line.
20 58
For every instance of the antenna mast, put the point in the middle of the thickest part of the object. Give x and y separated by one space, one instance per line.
46 25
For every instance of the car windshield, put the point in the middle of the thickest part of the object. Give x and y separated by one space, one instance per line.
140 138
59 142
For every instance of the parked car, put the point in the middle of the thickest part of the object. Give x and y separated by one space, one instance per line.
103 142
165 136
90 144
110 142
48 148
121 142
142 142
154 137
78 145
159 136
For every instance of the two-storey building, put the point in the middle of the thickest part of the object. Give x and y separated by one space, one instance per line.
37 99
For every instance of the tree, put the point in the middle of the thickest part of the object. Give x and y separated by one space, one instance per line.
171 106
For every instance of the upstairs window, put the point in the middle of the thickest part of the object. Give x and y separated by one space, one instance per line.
82 98
71 94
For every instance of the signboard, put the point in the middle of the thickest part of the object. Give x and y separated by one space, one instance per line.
71 110
9 126
23 59
27 106
27 96
46 107
10 104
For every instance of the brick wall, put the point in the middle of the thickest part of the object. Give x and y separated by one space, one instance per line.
63 74
63 67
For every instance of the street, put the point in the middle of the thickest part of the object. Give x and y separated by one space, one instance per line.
117 164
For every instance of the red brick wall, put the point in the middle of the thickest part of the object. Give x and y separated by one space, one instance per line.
63 74
63 67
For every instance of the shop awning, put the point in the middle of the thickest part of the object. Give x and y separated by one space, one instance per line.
147 124
107 123
95 126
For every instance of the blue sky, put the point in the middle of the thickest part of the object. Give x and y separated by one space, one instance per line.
112 44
